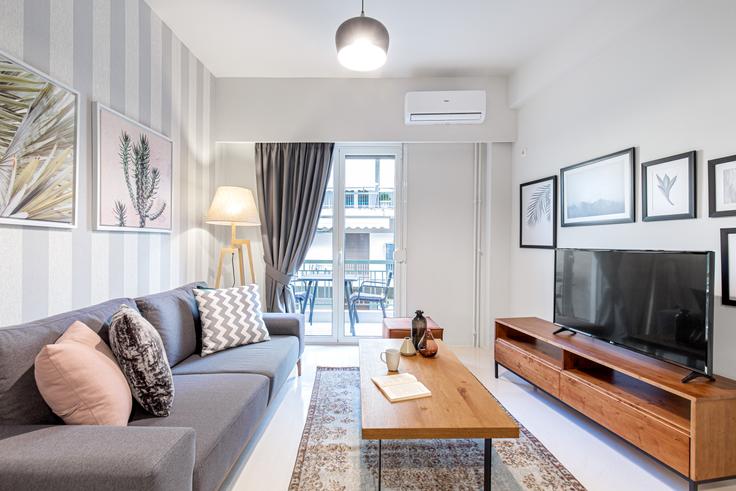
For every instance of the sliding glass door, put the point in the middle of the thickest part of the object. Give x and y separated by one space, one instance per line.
350 279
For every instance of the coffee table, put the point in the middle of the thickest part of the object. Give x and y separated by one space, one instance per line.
460 406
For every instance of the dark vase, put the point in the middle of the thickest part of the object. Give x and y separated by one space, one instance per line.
418 326
427 345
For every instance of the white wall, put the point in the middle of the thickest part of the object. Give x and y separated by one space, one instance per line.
313 109
665 86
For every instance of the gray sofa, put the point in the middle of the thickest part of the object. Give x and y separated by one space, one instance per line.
218 405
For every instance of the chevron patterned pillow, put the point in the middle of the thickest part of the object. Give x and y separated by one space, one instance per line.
230 317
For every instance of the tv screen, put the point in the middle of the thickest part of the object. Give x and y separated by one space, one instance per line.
658 303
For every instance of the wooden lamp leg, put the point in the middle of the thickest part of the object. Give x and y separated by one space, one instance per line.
250 262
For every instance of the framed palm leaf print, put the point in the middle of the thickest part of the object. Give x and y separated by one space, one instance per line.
538 213
39 131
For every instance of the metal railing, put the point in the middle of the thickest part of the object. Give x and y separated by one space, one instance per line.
362 198
356 271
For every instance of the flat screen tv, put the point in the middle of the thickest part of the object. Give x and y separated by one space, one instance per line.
659 303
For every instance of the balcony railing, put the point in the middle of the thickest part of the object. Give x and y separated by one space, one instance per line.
356 271
362 198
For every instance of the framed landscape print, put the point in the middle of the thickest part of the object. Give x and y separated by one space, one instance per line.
133 173
599 191
722 187
668 188
538 213
728 266
39 131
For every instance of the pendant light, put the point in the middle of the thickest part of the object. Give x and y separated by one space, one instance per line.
362 43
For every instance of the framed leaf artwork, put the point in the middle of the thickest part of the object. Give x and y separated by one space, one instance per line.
133 174
538 213
668 188
39 134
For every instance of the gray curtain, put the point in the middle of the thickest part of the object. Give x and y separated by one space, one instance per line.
292 179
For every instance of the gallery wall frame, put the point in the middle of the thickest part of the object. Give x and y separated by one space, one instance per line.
668 188
118 208
39 170
609 181
728 266
722 187
538 213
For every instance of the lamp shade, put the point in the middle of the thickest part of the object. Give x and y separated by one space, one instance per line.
362 44
233 206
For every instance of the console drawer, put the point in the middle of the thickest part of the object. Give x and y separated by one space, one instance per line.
537 372
657 438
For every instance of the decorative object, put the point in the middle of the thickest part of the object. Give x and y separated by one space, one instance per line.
234 207
80 380
140 353
230 317
362 43
728 266
599 191
427 345
133 174
538 213
39 131
722 187
407 347
400 327
331 451
668 188
292 181
418 326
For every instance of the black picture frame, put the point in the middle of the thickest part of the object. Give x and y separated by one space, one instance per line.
712 205
725 280
692 188
554 213
631 218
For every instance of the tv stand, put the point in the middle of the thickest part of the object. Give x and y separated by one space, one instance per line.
693 375
564 329
688 427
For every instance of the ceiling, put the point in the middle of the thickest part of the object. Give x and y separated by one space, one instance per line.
296 38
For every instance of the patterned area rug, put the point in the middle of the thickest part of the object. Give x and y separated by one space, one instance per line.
332 456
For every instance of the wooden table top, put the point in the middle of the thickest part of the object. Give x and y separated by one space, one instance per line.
460 406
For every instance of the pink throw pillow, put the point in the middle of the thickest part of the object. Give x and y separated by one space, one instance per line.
80 380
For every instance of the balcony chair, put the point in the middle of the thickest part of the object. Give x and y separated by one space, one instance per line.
369 291
301 294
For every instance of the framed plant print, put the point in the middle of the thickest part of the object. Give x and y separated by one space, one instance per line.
599 191
722 187
728 266
538 213
39 135
133 174
668 188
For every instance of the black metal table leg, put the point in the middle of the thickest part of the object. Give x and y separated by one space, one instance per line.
379 465
487 464
693 486
495 369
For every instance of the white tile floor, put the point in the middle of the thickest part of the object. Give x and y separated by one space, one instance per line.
598 459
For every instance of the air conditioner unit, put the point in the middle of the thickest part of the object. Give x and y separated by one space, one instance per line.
445 107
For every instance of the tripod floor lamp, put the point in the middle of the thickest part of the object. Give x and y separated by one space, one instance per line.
235 207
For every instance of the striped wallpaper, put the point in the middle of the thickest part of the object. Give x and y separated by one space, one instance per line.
119 53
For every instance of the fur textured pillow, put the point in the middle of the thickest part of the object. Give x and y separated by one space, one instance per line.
230 317
141 356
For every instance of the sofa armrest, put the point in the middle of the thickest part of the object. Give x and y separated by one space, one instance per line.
286 325
96 457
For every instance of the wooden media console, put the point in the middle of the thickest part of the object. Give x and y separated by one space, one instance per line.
689 427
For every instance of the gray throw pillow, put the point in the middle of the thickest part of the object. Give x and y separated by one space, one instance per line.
141 356
230 317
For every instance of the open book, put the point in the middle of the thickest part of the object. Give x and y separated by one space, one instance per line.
401 387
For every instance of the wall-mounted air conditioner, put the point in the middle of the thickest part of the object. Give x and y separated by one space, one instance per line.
445 107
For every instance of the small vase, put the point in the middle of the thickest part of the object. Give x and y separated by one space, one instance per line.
418 327
427 345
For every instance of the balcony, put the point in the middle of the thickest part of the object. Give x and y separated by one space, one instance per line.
316 276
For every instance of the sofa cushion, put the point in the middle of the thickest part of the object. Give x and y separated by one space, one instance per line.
275 360
140 353
224 410
175 316
20 400
81 381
